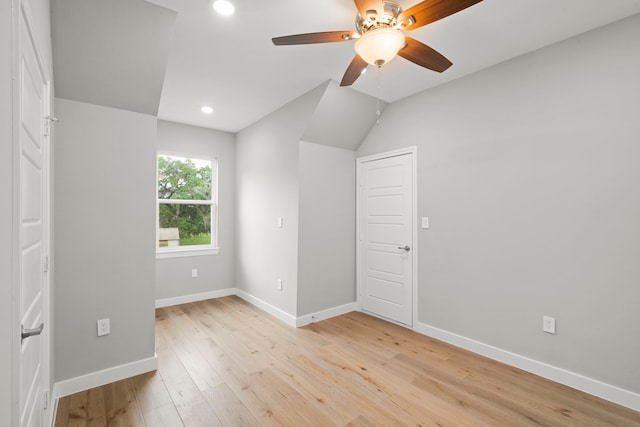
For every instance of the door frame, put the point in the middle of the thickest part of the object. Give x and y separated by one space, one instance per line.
414 227
21 9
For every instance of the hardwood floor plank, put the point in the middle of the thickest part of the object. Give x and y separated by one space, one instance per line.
62 412
487 408
407 341
228 408
150 390
179 383
225 362
96 412
318 391
345 399
198 413
275 403
78 409
163 416
120 405
348 333
181 332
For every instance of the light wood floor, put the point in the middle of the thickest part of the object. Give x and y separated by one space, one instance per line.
225 362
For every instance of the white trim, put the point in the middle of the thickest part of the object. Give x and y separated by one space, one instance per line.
414 232
105 376
325 314
387 154
186 251
185 202
100 378
271 309
580 382
185 299
16 11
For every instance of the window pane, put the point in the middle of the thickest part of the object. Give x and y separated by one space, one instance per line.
180 178
184 225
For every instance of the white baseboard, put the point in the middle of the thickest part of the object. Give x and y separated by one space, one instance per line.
580 382
325 314
287 318
99 378
195 297
272 310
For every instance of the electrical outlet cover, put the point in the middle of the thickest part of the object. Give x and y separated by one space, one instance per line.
104 327
549 324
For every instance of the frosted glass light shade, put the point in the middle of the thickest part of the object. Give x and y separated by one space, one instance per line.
379 46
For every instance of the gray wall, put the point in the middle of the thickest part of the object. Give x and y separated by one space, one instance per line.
327 228
529 174
267 188
215 272
105 237
6 214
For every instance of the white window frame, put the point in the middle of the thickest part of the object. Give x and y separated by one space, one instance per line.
195 250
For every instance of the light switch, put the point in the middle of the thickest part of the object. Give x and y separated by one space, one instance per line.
280 222
425 222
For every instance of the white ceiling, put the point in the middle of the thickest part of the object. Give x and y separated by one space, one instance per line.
231 64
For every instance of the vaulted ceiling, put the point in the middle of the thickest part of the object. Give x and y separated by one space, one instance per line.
149 57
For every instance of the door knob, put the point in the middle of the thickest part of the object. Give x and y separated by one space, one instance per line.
404 248
26 333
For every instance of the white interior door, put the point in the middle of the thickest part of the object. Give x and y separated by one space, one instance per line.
386 237
33 232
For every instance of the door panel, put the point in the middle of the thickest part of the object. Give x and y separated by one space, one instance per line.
385 262
386 233
386 221
385 206
385 291
33 227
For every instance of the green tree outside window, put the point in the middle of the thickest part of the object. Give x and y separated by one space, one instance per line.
184 201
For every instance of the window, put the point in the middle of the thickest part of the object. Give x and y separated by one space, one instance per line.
187 206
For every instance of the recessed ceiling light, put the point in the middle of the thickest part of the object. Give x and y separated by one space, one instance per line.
224 7
206 109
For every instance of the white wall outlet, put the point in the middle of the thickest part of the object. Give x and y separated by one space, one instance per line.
279 285
194 272
104 327
549 324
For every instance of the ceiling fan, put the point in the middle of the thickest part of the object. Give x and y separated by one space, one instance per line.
380 34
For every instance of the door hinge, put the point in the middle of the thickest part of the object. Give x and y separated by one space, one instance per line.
47 126
46 264
46 400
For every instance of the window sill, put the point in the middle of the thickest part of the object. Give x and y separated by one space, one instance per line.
181 253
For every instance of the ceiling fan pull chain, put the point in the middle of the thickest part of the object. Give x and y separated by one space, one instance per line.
378 98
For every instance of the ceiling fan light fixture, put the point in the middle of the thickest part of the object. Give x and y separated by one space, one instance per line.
380 45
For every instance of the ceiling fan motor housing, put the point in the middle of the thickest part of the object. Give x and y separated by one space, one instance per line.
389 18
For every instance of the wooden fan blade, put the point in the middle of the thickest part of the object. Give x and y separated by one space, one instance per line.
354 70
421 54
365 5
430 11
310 38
